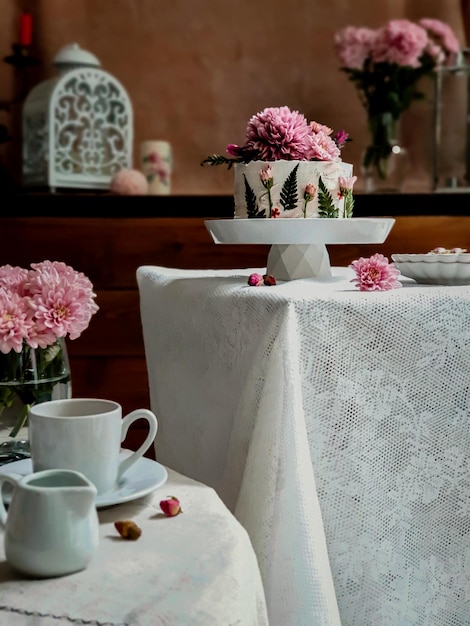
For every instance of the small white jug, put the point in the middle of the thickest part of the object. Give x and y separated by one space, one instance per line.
51 528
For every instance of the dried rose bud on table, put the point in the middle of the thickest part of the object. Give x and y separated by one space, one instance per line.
128 529
171 506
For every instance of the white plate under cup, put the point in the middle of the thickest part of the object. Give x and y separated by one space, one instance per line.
85 435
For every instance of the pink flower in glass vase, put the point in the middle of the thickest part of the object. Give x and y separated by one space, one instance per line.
375 274
401 42
354 45
61 300
15 321
13 278
443 44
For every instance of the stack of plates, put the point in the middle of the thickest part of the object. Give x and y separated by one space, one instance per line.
435 269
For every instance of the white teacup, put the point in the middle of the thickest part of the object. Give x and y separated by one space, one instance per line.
85 435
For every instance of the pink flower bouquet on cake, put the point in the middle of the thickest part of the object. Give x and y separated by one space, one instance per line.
277 133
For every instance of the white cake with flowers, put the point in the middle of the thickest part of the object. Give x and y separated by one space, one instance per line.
289 168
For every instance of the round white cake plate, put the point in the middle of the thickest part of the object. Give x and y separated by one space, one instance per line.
298 246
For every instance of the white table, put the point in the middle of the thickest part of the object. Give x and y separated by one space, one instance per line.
197 568
335 424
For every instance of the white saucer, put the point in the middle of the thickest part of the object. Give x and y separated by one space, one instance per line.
140 479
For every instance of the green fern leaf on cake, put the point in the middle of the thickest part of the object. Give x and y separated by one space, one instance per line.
326 207
348 203
218 159
251 204
289 191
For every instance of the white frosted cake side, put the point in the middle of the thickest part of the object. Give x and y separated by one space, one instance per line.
285 195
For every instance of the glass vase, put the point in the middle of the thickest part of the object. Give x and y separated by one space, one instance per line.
26 378
385 160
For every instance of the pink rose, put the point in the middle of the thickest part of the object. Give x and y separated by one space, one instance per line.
171 506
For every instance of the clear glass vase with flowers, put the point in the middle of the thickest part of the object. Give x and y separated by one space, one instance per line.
386 66
39 308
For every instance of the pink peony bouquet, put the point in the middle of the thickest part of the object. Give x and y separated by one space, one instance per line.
386 65
277 133
39 307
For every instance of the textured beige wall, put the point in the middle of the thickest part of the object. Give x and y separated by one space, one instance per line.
196 70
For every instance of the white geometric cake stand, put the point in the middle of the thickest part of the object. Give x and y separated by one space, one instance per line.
298 246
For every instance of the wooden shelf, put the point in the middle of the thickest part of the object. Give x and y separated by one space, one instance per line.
68 204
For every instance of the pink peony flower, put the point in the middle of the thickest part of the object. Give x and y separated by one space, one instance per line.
279 133
401 42
354 45
128 182
375 274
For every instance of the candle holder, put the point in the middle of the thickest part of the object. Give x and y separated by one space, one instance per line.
21 56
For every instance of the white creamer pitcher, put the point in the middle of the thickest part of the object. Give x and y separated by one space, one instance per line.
51 528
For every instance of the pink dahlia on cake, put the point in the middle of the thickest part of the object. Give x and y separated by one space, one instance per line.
289 167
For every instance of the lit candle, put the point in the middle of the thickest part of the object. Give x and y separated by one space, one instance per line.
26 29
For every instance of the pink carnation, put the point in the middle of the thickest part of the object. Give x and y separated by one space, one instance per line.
443 45
279 133
375 274
401 42
353 46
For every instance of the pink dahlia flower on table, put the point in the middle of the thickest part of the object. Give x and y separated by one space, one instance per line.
278 133
375 274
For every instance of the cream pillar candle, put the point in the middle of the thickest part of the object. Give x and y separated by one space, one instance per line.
156 164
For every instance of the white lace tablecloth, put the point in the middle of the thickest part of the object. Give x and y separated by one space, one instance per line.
197 568
335 424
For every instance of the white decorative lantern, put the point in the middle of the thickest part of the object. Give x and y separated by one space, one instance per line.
77 127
